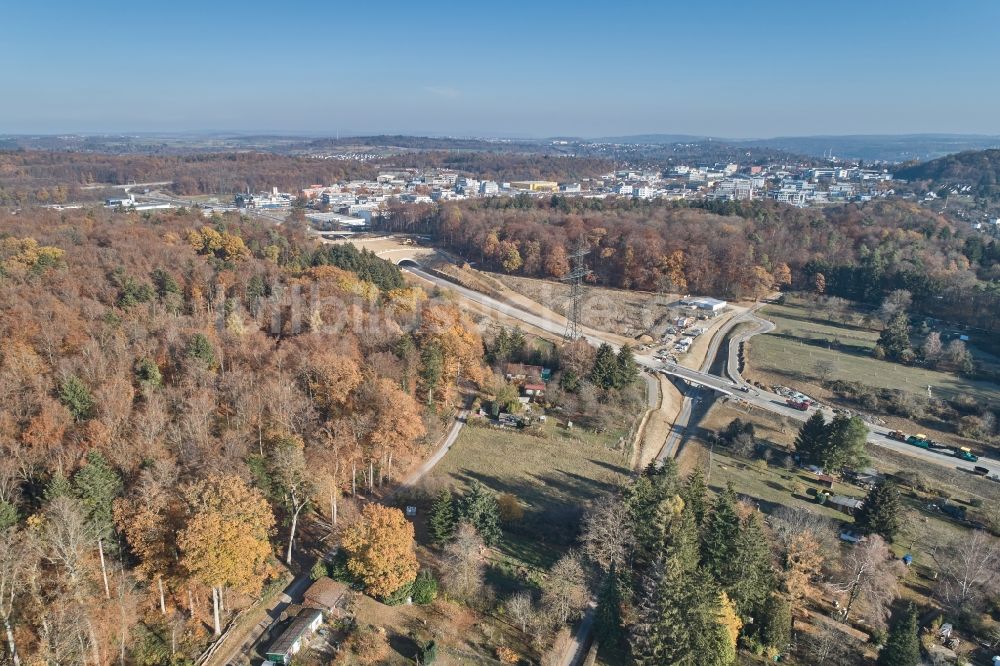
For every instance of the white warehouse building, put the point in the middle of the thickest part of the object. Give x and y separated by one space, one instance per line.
705 303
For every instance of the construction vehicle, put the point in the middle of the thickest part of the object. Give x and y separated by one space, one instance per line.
965 453
919 441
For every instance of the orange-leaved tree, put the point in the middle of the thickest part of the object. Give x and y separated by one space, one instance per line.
450 331
380 550
225 541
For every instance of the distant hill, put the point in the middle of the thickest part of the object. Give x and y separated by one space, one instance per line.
881 147
868 147
979 168
653 139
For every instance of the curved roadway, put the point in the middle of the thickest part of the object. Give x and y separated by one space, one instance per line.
733 385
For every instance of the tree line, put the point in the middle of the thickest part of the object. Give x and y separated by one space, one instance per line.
736 249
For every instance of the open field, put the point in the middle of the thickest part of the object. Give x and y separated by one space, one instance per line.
803 336
620 311
553 476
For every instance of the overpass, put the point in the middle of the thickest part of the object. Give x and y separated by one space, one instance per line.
695 378
734 386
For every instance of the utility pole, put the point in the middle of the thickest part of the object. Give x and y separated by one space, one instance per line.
575 279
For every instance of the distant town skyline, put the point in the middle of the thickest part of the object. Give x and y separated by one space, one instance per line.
531 70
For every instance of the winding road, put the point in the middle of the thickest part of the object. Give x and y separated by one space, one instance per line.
731 385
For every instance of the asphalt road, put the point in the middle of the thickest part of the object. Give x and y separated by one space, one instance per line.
775 403
755 397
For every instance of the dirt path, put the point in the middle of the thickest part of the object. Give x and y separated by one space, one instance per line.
660 422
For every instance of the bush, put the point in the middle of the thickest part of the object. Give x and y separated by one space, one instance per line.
337 569
508 656
318 569
511 510
369 644
400 596
425 588
428 653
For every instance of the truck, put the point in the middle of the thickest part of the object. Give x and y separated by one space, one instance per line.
919 441
965 453
897 435
980 471
800 405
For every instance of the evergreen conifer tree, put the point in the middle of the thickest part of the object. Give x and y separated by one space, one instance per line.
626 370
443 518
604 373
813 440
747 575
97 484
481 509
776 622
902 648
608 618
846 446
879 514
58 486
720 532
695 495
894 341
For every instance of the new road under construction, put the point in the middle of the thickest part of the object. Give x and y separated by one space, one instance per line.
695 384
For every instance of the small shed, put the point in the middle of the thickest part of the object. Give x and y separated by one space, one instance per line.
291 639
824 480
844 504
520 372
325 594
534 389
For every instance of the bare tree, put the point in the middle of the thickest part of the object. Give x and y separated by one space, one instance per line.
789 522
463 562
564 591
828 645
521 609
607 533
897 301
18 559
969 566
868 577
66 538
824 368
932 347
289 467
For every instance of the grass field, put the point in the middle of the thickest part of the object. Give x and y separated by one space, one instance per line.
804 336
554 476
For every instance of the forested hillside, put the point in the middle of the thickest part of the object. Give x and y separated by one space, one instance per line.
860 252
979 168
176 395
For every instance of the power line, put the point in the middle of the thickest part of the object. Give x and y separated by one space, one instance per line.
575 279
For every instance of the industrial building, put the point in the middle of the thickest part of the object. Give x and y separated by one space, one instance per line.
535 185
705 303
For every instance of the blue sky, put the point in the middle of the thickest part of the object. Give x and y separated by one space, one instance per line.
737 69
